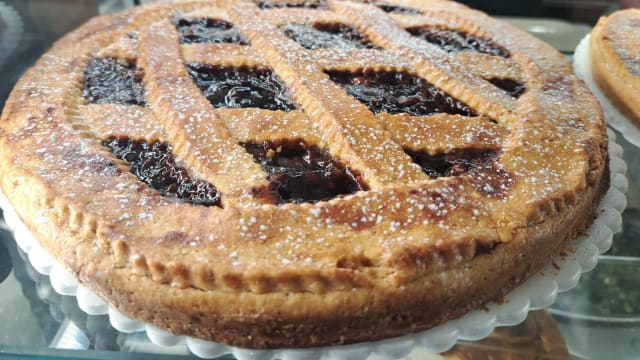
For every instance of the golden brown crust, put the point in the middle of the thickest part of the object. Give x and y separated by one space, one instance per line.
406 255
614 52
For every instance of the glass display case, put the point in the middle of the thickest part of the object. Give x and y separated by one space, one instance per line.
600 318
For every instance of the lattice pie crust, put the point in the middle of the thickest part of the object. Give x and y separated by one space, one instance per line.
272 174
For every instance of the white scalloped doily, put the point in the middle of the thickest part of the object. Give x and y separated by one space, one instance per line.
538 292
12 34
615 118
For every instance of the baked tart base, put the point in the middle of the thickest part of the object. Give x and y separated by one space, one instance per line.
271 174
538 292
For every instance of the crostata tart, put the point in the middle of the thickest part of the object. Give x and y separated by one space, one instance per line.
302 173
614 55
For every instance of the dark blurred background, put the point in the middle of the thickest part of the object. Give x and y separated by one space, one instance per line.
582 11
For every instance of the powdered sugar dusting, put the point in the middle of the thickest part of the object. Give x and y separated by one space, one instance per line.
545 146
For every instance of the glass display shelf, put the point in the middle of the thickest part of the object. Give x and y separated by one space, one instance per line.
598 319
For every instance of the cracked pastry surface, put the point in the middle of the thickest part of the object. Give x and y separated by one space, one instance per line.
207 167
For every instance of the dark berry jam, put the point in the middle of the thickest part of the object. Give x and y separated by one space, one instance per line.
395 9
456 41
398 92
484 174
241 87
453 163
321 36
209 31
307 4
109 81
512 87
155 165
300 173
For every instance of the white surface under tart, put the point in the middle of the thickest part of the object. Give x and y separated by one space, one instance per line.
538 292
613 116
